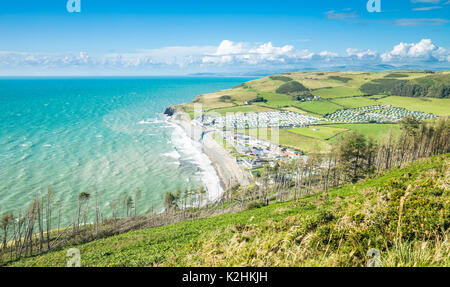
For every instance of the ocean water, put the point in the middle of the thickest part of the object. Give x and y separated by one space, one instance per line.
103 136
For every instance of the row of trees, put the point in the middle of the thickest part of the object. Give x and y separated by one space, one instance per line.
435 86
189 198
19 231
38 229
356 156
35 230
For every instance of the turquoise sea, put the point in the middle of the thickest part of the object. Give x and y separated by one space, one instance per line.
103 136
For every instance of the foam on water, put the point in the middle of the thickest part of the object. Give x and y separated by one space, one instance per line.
101 136
149 122
193 150
174 154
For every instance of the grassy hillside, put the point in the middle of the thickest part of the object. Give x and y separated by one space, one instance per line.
336 88
404 214
320 132
318 139
440 107
335 91
399 84
379 131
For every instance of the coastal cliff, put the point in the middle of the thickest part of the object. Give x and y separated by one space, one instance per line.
170 111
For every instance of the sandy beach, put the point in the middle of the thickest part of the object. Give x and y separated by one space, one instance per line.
227 168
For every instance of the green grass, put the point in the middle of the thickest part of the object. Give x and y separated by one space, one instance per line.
343 94
152 246
337 92
377 97
240 109
334 228
335 95
305 144
276 100
378 131
294 140
440 107
318 132
319 107
355 102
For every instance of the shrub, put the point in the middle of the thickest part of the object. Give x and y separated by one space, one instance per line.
225 98
431 86
280 78
254 204
258 99
303 96
396 75
339 78
291 88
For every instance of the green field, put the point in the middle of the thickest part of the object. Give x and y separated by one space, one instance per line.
240 109
330 133
440 107
276 100
294 140
318 132
377 131
319 107
303 143
300 111
377 97
337 92
355 102
334 228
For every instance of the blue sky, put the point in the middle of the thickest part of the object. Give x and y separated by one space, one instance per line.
178 37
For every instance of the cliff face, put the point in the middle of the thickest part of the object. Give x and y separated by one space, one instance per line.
170 111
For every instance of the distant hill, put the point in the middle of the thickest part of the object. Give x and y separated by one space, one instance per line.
331 87
320 94
435 85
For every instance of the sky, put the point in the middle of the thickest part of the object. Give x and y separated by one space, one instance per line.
136 37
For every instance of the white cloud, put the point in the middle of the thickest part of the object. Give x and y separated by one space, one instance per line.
426 1
177 56
429 8
408 22
226 56
228 47
423 50
342 15
18 59
328 54
231 52
360 54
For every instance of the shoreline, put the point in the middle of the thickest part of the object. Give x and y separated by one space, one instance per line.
226 167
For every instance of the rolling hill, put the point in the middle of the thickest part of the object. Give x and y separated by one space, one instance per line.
322 93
